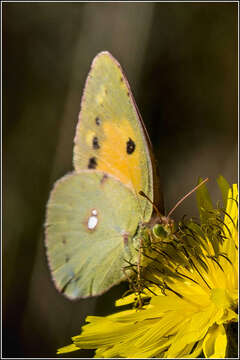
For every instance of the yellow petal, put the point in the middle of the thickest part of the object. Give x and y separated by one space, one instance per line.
125 300
215 343
68 348
196 352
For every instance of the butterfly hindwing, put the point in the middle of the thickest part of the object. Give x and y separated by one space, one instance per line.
89 232
110 136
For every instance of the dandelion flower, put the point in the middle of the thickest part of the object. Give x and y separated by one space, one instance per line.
187 320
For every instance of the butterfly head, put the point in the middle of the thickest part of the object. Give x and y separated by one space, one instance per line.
163 230
162 227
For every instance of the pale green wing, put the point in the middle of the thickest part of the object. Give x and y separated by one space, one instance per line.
91 220
110 135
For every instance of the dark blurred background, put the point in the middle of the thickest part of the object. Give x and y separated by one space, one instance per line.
181 62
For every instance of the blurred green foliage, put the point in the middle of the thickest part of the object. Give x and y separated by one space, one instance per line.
181 62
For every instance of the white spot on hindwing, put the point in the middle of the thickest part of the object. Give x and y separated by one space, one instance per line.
92 220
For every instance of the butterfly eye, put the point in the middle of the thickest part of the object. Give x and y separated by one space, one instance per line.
159 231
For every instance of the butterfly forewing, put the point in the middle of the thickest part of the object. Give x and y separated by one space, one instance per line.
109 134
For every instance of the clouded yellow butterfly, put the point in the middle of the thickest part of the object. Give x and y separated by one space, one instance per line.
94 213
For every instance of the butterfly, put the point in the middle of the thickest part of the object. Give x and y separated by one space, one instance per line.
94 213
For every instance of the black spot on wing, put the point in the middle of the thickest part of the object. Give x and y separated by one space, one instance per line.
92 163
95 143
130 146
98 121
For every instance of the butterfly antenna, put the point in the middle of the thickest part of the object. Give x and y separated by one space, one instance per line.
155 207
188 194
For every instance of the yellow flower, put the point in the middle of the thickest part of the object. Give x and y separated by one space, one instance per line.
186 321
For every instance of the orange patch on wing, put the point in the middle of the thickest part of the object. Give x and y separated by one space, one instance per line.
113 156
